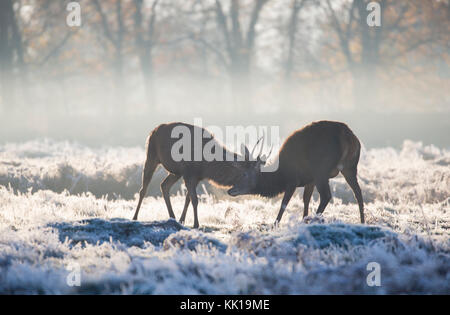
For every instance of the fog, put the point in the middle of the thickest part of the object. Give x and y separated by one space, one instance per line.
131 66
82 85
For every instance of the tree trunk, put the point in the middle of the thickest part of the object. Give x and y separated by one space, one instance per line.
241 84
365 88
365 76
7 80
147 74
287 90
144 46
240 51
119 81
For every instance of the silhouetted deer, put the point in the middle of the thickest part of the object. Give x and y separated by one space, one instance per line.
309 157
159 151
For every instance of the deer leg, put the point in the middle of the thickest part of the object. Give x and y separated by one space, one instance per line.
287 196
352 180
307 193
186 205
191 185
165 189
325 194
147 174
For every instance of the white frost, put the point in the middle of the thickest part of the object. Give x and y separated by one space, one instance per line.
52 214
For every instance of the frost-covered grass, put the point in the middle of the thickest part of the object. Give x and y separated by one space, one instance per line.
52 215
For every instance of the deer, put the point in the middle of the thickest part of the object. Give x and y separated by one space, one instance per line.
308 158
222 172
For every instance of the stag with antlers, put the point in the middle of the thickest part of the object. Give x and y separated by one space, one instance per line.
222 172
308 158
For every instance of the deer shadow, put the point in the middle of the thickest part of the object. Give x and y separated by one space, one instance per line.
97 231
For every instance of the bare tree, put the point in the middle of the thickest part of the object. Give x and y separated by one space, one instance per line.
296 7
145 42
116 37
11 53
378 46
289 65
239 46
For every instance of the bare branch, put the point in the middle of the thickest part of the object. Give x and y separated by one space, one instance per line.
56 49
222 22
251 34
236 25
342 37
211 47
105 24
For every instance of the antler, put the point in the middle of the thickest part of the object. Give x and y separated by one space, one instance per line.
266 157
262 145
263 158
254 148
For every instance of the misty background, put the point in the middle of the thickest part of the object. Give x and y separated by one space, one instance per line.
134 64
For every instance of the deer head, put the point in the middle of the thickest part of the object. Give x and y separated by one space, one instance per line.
248 180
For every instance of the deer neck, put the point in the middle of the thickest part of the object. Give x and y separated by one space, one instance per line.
222 173
271 184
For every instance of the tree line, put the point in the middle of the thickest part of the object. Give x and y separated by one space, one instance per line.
292 48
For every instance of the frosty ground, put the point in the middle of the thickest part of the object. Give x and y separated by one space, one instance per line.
64 205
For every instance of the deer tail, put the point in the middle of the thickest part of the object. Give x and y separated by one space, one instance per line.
150 147
350 148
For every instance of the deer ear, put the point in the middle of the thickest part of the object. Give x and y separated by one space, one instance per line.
245 152
261 161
